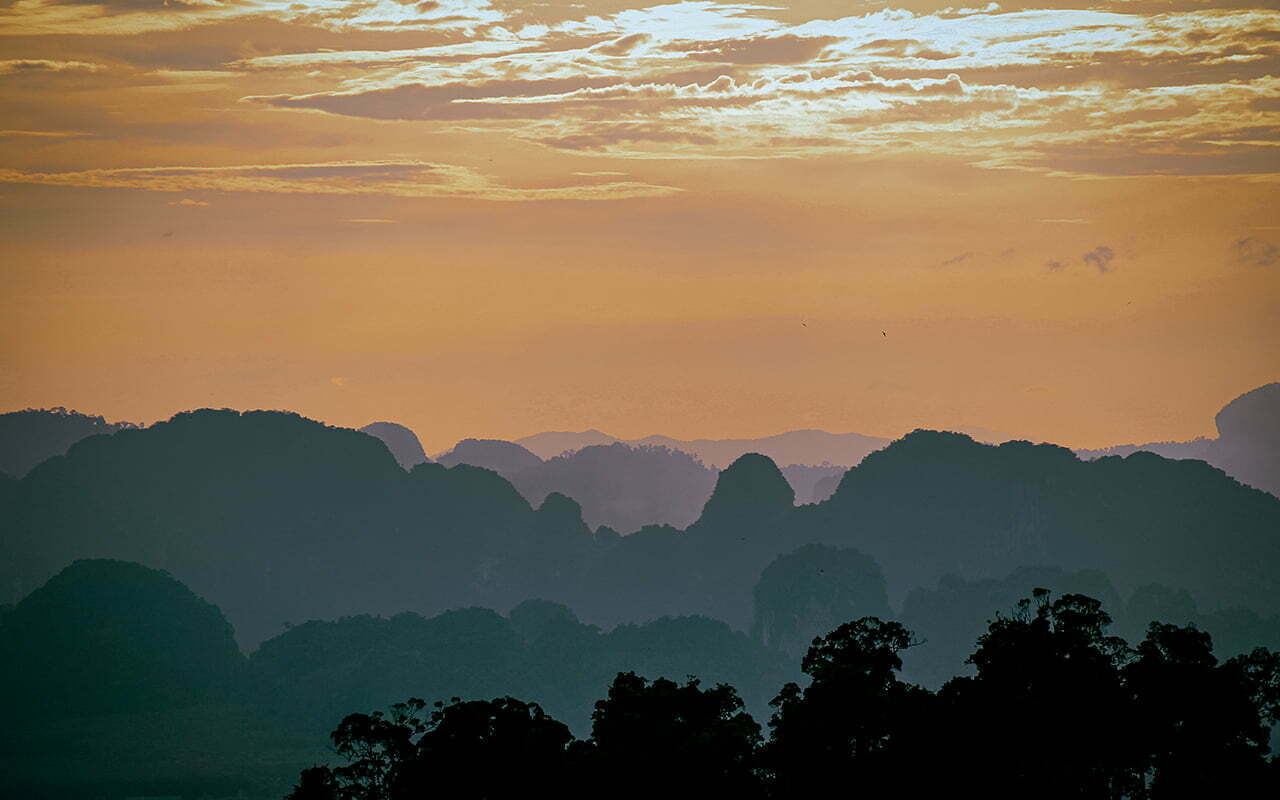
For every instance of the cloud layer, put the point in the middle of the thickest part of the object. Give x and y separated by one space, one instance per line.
1122 89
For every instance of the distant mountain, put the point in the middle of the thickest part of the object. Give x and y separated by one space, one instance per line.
313 674
813 484
504 458
554 443
794 447
1247 447
277 519
936 503
31 436
401 441
623 487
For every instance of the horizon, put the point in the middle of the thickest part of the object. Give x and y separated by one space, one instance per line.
976 432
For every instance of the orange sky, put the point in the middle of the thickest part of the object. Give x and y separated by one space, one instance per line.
494 218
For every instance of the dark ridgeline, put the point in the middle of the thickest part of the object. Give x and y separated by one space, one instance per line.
31 436
619 485
113 636
809 592
813 483
113 668
622 486
127 653
1247 447
505 458
401 441
311 674
792 447
1056 708
280 519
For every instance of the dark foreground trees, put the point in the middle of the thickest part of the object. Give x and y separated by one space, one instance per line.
1056 708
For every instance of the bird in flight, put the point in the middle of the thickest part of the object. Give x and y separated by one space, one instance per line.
882 333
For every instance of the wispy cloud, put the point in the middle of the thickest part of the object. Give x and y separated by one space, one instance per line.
1060 91
19 66
388 178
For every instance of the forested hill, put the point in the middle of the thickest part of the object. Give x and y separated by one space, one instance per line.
279 519
31 436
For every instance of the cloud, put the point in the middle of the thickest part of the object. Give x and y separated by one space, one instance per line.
131 17
187 202
1100 257
46 134
387 178
957 259
23 66
1151 88
622 46
1256 252
787 49
371 221
1055 266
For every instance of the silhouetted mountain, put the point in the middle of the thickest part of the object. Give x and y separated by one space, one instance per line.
31 436
937 503
402 442
792 447
813 484
1235 631
505 458
652 481
811 592
1247 447
312 673
112 636
279 518
554 443
751 489
624 487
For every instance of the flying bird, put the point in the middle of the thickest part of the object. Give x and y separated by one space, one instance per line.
882 333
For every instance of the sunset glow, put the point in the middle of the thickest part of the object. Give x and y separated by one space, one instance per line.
698 219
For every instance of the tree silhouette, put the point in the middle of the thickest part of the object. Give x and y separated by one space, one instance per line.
649 739
473 749
1203 724
854 719
1048 697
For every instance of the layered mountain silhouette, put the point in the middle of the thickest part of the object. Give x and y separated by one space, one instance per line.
31 436
121 682
793 447
505 458
623 487
278 519
402 442
1247 447
281 519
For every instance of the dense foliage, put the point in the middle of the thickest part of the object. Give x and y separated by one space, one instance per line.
1057 709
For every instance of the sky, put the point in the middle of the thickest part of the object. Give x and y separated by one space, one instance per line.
1053 219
